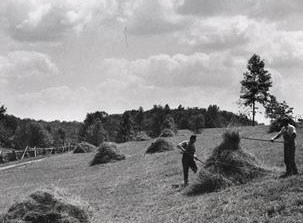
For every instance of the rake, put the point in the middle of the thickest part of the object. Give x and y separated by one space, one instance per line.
262 140
184 151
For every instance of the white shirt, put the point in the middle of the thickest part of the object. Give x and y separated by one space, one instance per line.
288 133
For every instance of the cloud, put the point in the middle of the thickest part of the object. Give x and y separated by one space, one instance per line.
52 103
26 64
42 20
178 71
152 17
242 36
268 9
25 71
216 33
192 80
215 7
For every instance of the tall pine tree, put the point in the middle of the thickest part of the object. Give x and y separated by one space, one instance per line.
256 84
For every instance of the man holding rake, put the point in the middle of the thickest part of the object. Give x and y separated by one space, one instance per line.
289 134
188 149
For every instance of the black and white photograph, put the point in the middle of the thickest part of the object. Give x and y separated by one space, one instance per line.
151 111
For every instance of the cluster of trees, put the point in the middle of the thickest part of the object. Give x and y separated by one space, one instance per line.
99 126
255 90
18 133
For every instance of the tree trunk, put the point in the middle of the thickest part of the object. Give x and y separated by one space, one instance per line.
254 112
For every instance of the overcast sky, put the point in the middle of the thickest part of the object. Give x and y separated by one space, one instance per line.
60 59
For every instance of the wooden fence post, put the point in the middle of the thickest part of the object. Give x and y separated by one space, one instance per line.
35 151
25 150
1 157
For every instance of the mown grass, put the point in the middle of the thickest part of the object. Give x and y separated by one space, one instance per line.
139 188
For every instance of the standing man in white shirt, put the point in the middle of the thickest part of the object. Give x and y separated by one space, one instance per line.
289 134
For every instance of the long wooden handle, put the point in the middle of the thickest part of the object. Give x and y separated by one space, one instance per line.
263 140
183 150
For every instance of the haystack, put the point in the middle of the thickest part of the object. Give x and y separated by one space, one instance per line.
107 152
167 133
228 165
45 207
84 147
160 145
141 136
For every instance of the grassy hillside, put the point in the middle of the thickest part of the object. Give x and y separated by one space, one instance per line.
139 189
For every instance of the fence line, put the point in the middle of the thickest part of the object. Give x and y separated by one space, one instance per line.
29 152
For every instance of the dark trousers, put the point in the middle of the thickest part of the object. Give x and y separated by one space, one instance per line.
289 159
188 163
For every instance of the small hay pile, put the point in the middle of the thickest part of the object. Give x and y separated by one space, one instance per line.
46 207
107 152
228 165
141 136
160 145
167 133
84 147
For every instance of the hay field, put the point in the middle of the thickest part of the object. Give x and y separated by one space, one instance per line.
139 188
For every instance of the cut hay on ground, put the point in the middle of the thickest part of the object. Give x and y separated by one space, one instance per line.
46 207
167 133
107 152
160 145
84 147
228 165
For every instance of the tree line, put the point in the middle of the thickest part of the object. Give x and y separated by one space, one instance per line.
99 126
18 133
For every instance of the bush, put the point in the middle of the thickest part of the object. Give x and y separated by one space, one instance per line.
160 145
45 207
107 152
228 165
